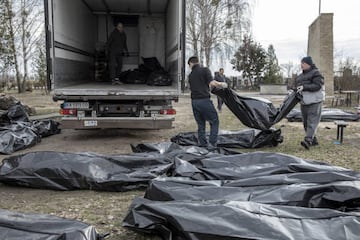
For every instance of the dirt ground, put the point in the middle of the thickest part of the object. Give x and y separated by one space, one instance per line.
106 210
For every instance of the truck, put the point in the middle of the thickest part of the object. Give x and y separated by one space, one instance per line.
77 68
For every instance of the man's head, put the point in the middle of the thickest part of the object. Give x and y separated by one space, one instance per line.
120 27
306 63
221 71
193 61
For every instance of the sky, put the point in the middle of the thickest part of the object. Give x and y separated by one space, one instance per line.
285 24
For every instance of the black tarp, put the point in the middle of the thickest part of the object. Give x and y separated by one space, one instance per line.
18 132
255 112
196 194
72 171
16 113
250 196
327 115
150 72
247 138
303 194
230 220
28 226
17 136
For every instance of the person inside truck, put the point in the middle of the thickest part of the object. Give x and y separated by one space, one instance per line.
117 48
200 81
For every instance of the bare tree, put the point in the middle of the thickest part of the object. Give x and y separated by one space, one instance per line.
23 26
39 64
288 68
193 26
11 31
5 61
214 23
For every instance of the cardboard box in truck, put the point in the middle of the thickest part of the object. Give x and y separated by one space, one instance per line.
78 66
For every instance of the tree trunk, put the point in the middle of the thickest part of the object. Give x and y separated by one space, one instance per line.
9 13
24 45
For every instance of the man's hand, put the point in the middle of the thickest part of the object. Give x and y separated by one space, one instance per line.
223 85
217 84
299 89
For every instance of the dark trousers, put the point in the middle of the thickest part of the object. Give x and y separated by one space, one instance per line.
204 110
115 64
220 102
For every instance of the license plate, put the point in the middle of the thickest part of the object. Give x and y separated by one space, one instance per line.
90 123
83 105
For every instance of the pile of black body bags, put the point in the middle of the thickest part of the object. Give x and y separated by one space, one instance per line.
150 72
17 131
193 193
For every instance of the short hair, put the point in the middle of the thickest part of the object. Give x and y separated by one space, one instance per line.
193 59
221 69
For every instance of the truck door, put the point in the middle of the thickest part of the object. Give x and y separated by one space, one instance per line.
49 43
182 31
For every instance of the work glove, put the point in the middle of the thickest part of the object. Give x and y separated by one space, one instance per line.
299 89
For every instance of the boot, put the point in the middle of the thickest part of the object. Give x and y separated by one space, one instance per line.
306 144
116 81
315 142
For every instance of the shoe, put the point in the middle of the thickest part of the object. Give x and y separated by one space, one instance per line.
315 142
306 144
211 147
116 81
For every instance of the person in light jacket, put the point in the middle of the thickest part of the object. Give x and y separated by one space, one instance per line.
310 85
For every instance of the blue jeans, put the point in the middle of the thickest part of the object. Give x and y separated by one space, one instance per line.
204 110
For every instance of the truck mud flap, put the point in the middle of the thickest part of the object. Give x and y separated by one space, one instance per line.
163 122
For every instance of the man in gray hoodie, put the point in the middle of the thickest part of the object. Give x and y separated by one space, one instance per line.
310 84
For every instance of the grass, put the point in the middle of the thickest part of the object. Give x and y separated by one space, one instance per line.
106 210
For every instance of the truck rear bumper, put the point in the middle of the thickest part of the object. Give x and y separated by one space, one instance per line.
161 122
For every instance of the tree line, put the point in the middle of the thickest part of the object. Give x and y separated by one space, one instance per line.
214 29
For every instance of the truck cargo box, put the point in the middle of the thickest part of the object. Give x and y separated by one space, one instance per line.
77 59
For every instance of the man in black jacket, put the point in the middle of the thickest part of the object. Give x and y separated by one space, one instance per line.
310 84
220 77
116 46
200 81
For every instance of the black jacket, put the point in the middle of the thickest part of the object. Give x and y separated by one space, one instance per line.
311 79
117 42
219 78
199 80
